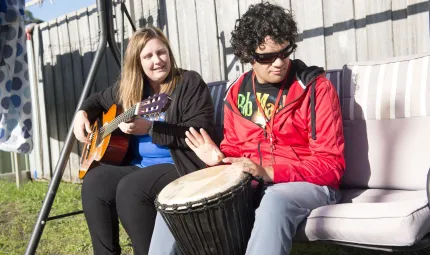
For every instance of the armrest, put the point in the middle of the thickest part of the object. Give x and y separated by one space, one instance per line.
428 187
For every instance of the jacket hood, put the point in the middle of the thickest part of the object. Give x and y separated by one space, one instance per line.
305 74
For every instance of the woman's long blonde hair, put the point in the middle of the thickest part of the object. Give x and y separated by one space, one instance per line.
132 80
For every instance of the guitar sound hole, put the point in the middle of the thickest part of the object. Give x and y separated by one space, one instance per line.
98 141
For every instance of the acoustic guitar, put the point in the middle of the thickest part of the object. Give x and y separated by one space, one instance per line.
109 144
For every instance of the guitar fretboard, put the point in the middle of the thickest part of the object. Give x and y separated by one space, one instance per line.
111 126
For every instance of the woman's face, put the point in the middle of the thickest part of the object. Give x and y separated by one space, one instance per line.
155 61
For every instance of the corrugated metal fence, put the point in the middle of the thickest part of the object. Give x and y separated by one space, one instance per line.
333 32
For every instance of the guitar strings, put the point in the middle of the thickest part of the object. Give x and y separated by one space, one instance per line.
111 126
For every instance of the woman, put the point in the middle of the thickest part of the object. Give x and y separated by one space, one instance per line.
158 150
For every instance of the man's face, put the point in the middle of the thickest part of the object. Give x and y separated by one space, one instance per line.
275 71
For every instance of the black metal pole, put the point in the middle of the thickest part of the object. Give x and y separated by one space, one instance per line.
130 20
111 34
124 10
59 169
122 36
64 215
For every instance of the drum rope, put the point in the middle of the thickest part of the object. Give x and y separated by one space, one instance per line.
239 222
215 234
189 237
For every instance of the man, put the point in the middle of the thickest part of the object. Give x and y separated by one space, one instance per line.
282 122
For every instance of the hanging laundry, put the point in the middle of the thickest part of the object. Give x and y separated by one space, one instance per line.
15 95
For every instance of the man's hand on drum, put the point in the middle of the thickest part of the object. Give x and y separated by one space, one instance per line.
249 166
203 146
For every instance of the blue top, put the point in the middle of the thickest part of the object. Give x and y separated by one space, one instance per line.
147 153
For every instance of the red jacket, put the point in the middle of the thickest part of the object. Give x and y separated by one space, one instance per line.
299 155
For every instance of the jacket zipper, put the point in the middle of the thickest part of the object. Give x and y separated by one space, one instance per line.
264 130
259 147
259 153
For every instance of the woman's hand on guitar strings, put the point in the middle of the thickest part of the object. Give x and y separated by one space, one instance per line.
203 146
138 126
80 125
249 166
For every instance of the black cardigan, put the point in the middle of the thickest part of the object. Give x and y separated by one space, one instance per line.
191 106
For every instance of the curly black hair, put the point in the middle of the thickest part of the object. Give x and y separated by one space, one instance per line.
262 20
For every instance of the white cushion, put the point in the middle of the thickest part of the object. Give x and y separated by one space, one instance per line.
387 154
386 116
373 217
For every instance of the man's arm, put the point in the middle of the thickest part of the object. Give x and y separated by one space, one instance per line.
326 164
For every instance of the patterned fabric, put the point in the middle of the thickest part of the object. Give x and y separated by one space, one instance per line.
393 89
15 104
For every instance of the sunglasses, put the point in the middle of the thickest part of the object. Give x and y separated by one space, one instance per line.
268 58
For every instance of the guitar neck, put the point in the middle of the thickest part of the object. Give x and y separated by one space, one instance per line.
149 107
113 125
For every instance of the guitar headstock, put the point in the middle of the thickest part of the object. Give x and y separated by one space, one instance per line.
153 105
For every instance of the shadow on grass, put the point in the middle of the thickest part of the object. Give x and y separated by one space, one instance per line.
19 209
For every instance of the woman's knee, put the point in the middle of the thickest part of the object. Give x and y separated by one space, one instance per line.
146 183
99 183
92 187
131 189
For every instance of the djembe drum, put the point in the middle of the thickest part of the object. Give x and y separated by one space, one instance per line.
209 211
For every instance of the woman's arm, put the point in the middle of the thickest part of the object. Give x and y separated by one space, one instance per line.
98 102
196 109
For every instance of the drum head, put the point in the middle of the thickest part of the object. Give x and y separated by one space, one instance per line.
199 185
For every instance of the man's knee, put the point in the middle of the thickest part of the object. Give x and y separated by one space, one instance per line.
300 194
287 199
279 204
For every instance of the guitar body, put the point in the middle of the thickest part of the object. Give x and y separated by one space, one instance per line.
110 150
109 144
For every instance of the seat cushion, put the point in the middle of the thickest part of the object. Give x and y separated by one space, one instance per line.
372 216
387 154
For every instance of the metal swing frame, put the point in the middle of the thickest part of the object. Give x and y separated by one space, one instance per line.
107 35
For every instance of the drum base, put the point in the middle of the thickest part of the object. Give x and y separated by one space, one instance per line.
220 227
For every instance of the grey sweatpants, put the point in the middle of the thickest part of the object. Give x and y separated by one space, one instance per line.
282 208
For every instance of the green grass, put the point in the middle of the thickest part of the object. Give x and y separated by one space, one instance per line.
19 209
